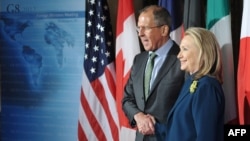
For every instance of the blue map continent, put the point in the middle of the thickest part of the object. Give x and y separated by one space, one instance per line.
54 35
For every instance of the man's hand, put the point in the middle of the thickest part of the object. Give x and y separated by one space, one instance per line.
145 123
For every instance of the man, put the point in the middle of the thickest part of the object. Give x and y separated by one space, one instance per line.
143 111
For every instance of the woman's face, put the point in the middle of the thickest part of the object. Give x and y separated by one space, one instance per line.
189 55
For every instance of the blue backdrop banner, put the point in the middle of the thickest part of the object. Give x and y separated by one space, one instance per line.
41 54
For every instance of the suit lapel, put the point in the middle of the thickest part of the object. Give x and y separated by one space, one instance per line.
164 69
140 73
171 58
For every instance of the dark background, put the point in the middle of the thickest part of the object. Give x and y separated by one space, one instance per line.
236 8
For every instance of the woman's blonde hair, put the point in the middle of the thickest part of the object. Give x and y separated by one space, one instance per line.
210 53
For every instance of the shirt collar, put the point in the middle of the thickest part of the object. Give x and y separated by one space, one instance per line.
163 51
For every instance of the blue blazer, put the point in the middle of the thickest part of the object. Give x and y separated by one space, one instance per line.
197 116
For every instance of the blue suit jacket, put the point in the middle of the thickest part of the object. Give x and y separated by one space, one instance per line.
197 116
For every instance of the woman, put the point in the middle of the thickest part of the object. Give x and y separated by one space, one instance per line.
198 113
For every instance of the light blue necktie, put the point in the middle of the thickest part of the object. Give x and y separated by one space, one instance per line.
148 73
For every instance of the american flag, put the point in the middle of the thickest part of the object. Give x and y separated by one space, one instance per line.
98 118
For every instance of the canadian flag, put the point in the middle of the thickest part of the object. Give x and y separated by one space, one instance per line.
243 85
127 46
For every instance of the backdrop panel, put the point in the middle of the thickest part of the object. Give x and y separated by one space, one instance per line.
41 54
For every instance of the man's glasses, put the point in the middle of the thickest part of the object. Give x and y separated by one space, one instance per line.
145 28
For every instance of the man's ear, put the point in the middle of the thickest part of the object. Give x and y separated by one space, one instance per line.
165 30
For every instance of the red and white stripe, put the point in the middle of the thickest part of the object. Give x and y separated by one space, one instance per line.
127 46
243 76
98 107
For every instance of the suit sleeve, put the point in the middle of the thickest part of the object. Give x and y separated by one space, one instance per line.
129 102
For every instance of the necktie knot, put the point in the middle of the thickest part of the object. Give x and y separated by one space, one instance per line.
152 56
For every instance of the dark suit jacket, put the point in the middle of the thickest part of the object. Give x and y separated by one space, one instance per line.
164 91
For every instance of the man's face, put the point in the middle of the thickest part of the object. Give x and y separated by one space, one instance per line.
149 33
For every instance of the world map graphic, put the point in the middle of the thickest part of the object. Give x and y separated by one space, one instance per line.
54 36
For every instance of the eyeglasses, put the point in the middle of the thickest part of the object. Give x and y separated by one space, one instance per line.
145 28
